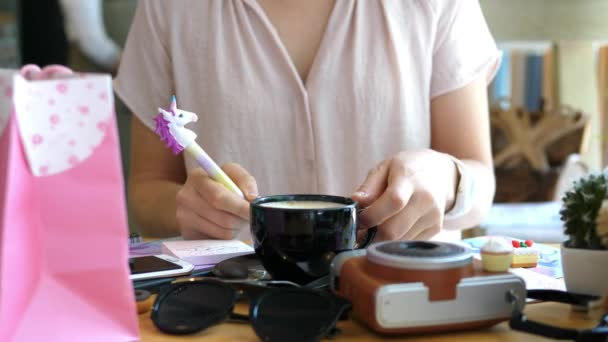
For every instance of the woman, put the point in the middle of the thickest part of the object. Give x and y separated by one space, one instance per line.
384 101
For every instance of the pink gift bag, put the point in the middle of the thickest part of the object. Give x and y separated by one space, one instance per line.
64 272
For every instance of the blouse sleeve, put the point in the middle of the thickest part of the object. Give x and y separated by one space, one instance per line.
145 81
463 49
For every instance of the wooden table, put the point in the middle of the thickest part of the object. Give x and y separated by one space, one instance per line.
553 313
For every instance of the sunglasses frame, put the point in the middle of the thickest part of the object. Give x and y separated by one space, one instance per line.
257 295
519 321
339 310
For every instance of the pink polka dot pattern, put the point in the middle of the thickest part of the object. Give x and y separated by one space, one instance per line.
54 119
37 139
62 122
84 110
102 126
62 88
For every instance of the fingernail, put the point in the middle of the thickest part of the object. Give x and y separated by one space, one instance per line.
360 194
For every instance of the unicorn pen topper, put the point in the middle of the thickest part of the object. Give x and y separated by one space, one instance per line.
170 127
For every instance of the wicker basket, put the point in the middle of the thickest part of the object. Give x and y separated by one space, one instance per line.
530 149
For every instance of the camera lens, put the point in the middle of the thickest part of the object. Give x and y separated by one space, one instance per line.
423 249
426 255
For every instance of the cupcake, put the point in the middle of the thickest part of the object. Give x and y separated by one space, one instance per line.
496 255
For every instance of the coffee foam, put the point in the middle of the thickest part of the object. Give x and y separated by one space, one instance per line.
297 204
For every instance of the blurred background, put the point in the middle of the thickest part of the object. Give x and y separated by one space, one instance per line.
549 101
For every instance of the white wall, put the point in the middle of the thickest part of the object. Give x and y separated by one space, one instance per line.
547 19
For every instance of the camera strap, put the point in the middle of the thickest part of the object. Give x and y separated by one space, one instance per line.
519 321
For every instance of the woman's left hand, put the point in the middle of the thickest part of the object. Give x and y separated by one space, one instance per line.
407 195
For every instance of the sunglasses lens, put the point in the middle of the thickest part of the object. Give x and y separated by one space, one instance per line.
191 307
293 316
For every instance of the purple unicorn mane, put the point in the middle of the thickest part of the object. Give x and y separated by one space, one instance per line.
162 129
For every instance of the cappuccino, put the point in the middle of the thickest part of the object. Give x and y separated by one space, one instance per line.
303 205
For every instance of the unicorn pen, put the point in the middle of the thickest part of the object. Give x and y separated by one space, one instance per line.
170 128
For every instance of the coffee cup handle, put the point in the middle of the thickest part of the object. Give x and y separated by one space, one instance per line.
369 237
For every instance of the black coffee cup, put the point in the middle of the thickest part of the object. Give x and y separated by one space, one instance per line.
297 236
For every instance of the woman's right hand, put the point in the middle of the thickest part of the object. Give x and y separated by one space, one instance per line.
208 210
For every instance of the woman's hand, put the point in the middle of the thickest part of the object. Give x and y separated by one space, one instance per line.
407 195
207 210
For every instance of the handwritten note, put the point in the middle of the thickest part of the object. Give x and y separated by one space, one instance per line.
200 252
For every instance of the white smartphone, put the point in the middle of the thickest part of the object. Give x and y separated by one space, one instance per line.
158 266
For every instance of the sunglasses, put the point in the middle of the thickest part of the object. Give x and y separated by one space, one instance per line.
519 321
276 314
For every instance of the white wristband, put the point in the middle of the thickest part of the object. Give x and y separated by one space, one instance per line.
463 202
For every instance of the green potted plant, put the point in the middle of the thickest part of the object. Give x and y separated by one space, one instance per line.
585 252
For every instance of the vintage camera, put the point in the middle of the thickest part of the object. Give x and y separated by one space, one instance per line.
422 286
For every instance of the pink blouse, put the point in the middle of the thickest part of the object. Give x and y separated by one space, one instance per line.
367 95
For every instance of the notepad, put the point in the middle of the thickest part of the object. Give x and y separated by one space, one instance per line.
204 252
